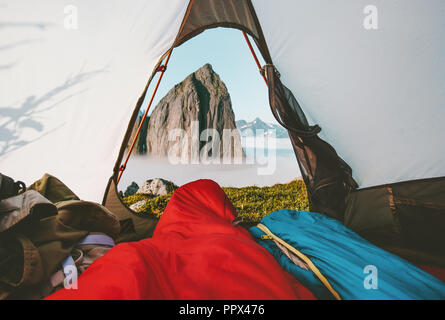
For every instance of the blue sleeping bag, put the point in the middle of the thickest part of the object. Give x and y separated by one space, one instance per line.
354 267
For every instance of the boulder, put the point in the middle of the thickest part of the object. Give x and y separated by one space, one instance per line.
131 189
157 187
137 206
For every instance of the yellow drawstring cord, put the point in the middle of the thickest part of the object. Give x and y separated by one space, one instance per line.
314 269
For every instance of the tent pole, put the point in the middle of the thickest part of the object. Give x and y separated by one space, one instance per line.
162 69
255 57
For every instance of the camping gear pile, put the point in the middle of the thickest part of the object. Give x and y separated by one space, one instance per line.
195 253
41 229
199 251
368 135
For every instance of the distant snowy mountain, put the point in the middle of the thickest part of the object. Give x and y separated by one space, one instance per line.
258 127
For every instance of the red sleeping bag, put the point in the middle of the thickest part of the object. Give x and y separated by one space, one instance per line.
195 253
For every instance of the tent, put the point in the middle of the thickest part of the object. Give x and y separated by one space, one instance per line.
366 130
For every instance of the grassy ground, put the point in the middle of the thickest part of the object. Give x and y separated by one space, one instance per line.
252 203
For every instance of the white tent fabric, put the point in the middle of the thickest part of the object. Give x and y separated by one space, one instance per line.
378 95
66 95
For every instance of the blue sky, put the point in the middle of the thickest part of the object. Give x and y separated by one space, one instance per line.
227 51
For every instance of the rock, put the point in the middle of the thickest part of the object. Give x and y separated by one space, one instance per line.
137 206
157 187
140 146
131 189
201 98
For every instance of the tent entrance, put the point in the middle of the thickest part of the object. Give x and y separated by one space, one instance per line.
327 177
162 69
138 225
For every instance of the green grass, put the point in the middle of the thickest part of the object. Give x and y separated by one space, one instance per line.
252 203
153 205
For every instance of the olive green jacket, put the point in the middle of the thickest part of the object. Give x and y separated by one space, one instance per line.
38 230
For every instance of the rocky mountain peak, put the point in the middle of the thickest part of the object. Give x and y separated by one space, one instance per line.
259 127
201 98
206 69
